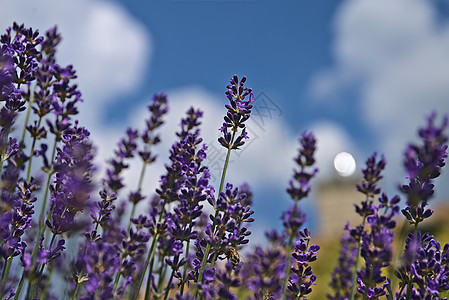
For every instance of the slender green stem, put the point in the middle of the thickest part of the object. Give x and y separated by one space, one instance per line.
287 267
47 284
47 185
162 273
139 187
42 231
184 274
32 150
389 292
148 288
151 257
5 273
410 280
41 271
133 210
75 292
19 287
400 292
203 266
356 265
117 278
223 176
299 293
214 259
27 118
147 261
167 289
225 167
409 287
2 158
142 175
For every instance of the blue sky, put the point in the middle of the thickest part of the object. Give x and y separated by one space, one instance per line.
278 46
361 74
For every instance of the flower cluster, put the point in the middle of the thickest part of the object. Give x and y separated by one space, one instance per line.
423 164
268 270
425 273
239 111
188 239
370 240
423 267
303 278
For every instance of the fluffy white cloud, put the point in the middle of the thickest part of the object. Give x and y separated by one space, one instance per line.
372 34
108 47
395 54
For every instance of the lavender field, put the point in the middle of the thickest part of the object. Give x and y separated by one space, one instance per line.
188 238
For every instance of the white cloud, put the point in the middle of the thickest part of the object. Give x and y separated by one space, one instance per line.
108 47
372 34
395 54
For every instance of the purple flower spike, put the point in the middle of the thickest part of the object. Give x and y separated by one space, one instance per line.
239 111
423 164
302 279
72 185
371 176
299 186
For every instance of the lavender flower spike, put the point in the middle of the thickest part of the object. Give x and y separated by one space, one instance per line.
239 111
302 279
423 164
299 185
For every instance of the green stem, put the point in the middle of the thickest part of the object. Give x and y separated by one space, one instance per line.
203 266
2 158
409 288
131 216
148 288
32 151
27 118
299 293
139 187
214 259
223 176
162 273
184 274
142 175
389 292
41 271
356 265
167 290
225 167
75 292
5 273
47 185
41 232
47 284
147 261
19 287
410 280
287 268
117 278
400 292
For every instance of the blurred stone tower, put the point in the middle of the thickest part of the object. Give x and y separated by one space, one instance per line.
335 203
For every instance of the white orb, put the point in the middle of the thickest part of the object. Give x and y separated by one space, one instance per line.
344 163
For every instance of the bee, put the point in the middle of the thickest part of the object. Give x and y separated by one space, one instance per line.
233 255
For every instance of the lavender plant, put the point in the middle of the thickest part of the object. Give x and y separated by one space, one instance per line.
176 248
